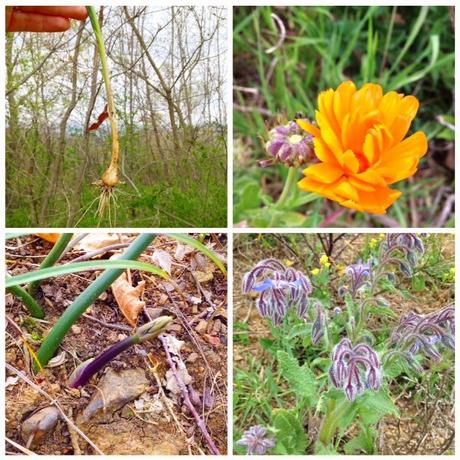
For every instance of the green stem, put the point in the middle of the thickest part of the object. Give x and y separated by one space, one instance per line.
85 299
52 257
291 177
332 420
28 300
108 89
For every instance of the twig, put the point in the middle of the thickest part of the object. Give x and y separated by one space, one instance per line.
186 396
19 447
282 35
73 436
119 327
97 252
445 213
55 403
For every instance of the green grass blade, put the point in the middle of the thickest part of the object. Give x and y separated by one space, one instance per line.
412 36
81 267
200 247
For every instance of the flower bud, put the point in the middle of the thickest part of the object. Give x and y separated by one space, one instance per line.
289 144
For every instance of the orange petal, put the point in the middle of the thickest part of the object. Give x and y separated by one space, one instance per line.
324 172
306 126
342 100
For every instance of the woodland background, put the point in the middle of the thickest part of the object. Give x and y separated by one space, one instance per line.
168 68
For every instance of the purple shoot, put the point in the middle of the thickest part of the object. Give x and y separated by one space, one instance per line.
256 441
355 369
86 370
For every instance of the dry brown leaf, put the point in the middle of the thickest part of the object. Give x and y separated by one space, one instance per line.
128 298
95 241
163 259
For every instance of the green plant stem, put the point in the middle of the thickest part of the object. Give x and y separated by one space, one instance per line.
52 257
332 419
85 299
108 87
291 177
31 304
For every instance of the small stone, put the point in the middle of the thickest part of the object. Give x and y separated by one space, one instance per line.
201 327
114 391
39 424
192 357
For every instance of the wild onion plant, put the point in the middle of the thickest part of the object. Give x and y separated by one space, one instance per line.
149 331
113 269
110 178
347 364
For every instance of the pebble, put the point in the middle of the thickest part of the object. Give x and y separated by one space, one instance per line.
39 424
75 329
115 389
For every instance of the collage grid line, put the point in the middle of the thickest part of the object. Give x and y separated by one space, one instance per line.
240 227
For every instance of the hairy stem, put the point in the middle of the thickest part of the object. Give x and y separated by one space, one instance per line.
291 177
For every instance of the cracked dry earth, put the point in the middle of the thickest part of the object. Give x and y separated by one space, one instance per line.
131 406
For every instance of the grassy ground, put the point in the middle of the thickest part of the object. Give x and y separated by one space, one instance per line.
407 49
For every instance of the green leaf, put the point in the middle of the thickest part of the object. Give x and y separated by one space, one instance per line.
81 267
321 449
291 437
418 283
301 379
363 443
200 247
372 406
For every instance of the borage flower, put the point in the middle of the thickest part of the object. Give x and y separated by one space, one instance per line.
426 333
355 369
280 289
256 440
360 143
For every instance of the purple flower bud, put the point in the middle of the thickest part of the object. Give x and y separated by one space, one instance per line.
425 333
355 369
359 273
317 330
337 311
256 441
290 145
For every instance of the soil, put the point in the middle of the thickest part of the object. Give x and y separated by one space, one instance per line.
134 428
426 425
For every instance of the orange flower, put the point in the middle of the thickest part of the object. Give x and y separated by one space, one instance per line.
359 142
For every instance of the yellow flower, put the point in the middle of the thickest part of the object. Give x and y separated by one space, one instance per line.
324 261
373 243
315 271
341 268
360 145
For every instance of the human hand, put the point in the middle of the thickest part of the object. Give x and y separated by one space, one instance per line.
42 18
